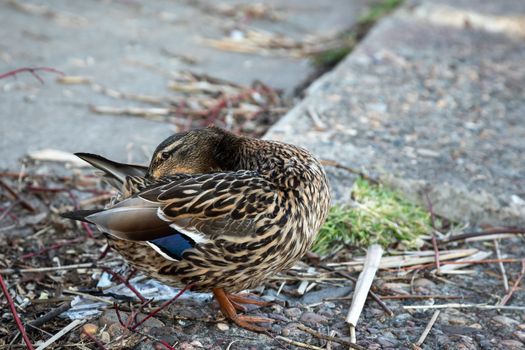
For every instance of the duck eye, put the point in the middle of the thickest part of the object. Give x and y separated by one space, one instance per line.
165 155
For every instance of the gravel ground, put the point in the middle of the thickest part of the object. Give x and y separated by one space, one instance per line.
195 322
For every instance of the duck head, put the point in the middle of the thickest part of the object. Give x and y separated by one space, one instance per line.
195 151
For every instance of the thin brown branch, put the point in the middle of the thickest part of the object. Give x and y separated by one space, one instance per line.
12 307
50 315
431 212
507 297
329 338
466 235
52 247
436 253
7 212
298 343
25 204
32 70
470 262
163 306
337 165
126 283
94 340
431 296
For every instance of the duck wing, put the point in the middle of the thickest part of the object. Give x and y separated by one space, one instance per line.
188 210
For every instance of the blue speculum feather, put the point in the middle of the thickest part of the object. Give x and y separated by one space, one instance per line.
174 245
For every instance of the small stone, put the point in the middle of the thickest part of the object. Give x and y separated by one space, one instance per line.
329 304
387 341
291 330
398 288
506 321
313 318
401 319
186 346
197 343
279 317
476 326
459 321
372 330
521 326
511 344
116 330
425 283
105 337
465 343
277 308
90 328
223 326
293 313
520 335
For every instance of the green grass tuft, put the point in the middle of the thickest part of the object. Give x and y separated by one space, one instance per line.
377 215
330 57
378 11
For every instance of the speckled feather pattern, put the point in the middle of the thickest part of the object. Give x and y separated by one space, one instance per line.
258 217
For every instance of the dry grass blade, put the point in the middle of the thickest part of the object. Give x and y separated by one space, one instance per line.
428 328
364 282
132 111
415 258
501 267
480 255
60 334
464 306
48 269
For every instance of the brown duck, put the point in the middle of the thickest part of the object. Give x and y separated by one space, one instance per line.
215 210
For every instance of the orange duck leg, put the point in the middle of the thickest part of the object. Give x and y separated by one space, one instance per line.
230 303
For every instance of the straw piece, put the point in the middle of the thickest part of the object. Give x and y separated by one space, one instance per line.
364 282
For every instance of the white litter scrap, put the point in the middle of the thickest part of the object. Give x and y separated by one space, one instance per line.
152 289
54 155
83 308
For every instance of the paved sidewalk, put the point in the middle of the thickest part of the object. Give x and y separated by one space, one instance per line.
137 47
432 102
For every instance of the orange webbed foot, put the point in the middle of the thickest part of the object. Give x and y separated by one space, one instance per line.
231 303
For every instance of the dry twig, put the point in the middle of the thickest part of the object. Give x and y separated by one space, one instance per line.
298 343
515 286
12 307
329 338
17 197
50 315
436 254
32 70
512 230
